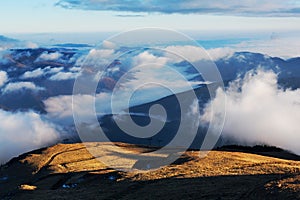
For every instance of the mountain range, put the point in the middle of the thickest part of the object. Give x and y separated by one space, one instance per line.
51 72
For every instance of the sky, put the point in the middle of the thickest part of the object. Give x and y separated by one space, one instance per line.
56 16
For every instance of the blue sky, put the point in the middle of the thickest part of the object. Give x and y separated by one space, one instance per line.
44 16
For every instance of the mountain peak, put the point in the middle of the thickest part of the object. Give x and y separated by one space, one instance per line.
7 39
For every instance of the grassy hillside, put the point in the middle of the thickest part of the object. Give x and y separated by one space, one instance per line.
69 171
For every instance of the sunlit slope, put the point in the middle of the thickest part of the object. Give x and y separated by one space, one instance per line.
66 171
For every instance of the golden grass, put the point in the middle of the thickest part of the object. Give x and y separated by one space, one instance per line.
65 170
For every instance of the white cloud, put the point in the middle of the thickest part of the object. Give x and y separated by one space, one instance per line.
97 58
53 70
50 56
75 69
11 87
31 45
23 132
148 58
220 53
178 53
258 112
61 107
48 70
283 47
101 53
108 45
3 78
33 74
64 76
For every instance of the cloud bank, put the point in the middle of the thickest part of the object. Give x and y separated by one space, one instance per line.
259 112
233 7
283 47
196 53
23 132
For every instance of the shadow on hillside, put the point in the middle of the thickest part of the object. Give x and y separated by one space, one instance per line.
108 185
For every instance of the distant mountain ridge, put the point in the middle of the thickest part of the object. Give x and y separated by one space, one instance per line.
7 39
230 68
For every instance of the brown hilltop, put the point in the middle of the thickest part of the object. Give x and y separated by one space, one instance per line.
69 171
